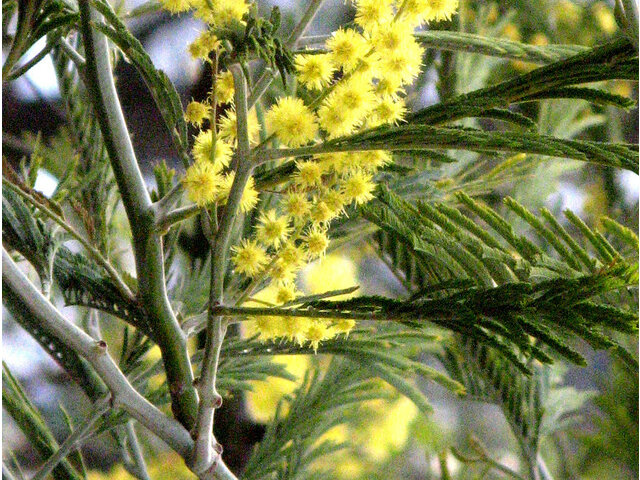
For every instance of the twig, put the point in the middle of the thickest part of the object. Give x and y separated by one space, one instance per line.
93 252
147 243
74 338
72 53
136 451
164 223
207 452
98 409
22 69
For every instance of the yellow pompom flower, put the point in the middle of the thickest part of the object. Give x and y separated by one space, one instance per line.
314 71
316 241
371 160
291 255
371 13
335 119
415 12
388 110
321 213
335 200
176 6
249 258
344 325
282 271
346 106
196 113
358 187
389 87
309 173
220 13
441 10
272 229
292 122
228 126
203 45
286 292
336 161
346 47
249 197
296 205
202 183
224 87
390 37
355 95
317 332
403 65
203 150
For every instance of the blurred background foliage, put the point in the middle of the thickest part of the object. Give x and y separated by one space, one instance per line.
462 439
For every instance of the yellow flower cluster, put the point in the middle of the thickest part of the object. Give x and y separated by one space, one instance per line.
360 81
320 278
372 61
216 14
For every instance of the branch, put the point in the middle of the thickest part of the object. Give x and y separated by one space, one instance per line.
138 459
165 222
147 243
124 395
207 451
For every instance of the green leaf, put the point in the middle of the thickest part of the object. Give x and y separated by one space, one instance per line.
31 422
496 47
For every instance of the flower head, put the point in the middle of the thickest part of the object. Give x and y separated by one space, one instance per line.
282 271
272 229
286 292
314 71
202 183
203 45
249 258
309 173
388 110
402 66
347 46
358 187
292 121
176 6
389 37
224 87
228 126
371 13
290 254
221 12
317 241
196 113
371 160
203 150
318 331
441 9
296 205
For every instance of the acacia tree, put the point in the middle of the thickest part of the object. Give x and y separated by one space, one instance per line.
306 143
